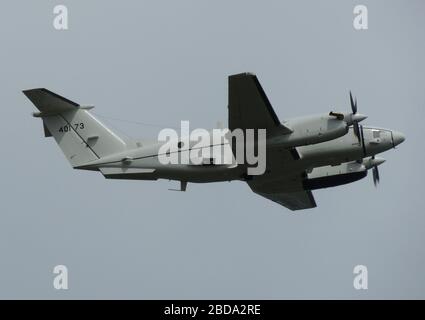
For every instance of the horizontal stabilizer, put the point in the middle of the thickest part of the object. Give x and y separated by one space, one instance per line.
129 173
49 102
121 170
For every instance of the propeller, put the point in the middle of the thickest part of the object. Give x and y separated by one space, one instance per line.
375 162
355 122
352 118
372 163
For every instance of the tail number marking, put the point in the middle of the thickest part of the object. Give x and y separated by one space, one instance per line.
76 126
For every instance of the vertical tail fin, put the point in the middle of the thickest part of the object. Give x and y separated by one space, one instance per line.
81 137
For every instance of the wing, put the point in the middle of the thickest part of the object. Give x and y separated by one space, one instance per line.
249 107
283 181
297 200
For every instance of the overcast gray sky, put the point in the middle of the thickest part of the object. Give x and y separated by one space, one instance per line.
160 62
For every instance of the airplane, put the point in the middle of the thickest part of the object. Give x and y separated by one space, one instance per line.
302 154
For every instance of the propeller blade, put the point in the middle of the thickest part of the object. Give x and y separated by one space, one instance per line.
353 104
356 118
356 129
375 173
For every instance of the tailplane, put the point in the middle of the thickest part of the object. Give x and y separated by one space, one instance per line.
81 137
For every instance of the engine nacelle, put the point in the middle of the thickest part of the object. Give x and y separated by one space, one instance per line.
310 130
331 176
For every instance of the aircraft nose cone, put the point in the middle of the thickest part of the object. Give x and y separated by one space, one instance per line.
398 138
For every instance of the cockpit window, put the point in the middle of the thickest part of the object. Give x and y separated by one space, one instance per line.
376 134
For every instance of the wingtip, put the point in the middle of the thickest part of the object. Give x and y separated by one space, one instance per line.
27 91
243 74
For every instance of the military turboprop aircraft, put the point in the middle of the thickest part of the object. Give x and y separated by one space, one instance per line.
302 154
